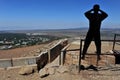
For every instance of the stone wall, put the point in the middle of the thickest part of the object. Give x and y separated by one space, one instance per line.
4 63
23 61
72 57
41 60
50 54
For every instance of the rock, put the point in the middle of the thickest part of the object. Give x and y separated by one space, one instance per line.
51 70
34 66
44 75
111 51
25 70
73 69
43 72
85 63
47 71
38 51
63 69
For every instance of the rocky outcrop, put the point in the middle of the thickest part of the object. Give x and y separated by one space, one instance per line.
51 70
63 69
25 70
43 72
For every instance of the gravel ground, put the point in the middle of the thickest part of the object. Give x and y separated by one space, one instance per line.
103 73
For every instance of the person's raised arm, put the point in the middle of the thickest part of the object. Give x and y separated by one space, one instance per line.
104 15
87 14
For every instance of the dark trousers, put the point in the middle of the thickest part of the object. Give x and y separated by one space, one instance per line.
92 36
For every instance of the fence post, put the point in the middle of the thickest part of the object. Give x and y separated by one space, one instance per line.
114 41
61 59
63 53
11 62
49 56
79 66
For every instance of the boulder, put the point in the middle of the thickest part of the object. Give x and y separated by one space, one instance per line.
43 72
51 70
63 69
25 70
110 51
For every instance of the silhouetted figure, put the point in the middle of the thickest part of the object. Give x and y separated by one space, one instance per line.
95 17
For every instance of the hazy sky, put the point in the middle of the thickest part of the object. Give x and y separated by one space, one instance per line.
54 14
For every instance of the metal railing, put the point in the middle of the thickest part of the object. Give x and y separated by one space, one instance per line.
80 53
114 42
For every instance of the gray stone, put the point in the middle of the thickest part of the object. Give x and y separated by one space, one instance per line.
43 72
47 71
51 70
110 51
63 69
25 70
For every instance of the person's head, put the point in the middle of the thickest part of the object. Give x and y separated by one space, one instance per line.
96 8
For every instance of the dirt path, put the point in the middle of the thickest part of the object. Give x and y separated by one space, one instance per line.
20 52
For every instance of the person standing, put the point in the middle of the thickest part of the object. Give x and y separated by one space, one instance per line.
95 17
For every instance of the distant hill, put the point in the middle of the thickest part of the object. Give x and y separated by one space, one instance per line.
3 32
113 30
